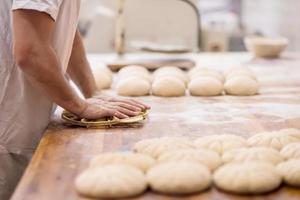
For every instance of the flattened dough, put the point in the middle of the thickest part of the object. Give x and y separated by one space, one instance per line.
220 143
133 86
291 151
210 159
241 86
255 154
141 161
179 177
205 86
157 146
111 181
276 139
168 87
290 171
247 177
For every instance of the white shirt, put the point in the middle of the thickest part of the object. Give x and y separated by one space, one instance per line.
24 111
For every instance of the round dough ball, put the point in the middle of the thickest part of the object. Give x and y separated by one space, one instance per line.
276 140
136 74
111 181
205 86
171 71
260 154
103 78
167 69
209 73
241 73
221 143
133 69
241 86
290 172
247 177
133 86
157 146
179 177
210 159
168 87
141 161
291 151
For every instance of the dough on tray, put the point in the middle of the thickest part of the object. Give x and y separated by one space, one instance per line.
290 171
291 151
205 86
133 86
276 139
171 71
220 143
210 159
157 146
247 177
111 181
179 177
168 87
103 77
141 161
241 86
255 154
133 69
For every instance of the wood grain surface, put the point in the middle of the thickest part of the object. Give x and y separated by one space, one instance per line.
65 151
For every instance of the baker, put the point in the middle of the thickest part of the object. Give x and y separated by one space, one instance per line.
39 46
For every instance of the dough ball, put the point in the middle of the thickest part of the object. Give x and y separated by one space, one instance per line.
133 86
209 73
241 86
167 69
133 69
254 154
221 143
141 161
111 181
241 73
157 146
171 71
291 151
168 87
179 177
247 178
276 140
205 86
210 159
290 172
103 77
136 74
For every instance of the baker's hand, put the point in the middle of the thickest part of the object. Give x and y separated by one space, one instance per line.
96 108
120 100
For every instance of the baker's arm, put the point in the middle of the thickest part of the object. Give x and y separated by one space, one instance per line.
79 69
34 54
80 72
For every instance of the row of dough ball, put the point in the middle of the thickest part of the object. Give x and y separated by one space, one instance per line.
171 81
176 165
236 81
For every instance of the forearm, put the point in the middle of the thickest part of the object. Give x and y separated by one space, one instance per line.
44 72
79 69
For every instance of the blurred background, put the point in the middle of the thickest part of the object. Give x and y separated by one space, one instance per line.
208 25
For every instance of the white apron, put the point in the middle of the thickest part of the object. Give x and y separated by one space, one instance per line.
24 111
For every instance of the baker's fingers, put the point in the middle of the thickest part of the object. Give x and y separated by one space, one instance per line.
128 106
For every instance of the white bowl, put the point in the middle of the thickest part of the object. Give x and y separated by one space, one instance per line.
266 47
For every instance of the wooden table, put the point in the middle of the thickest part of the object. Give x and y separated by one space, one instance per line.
64 151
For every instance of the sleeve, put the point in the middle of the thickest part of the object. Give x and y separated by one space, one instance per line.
51 7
